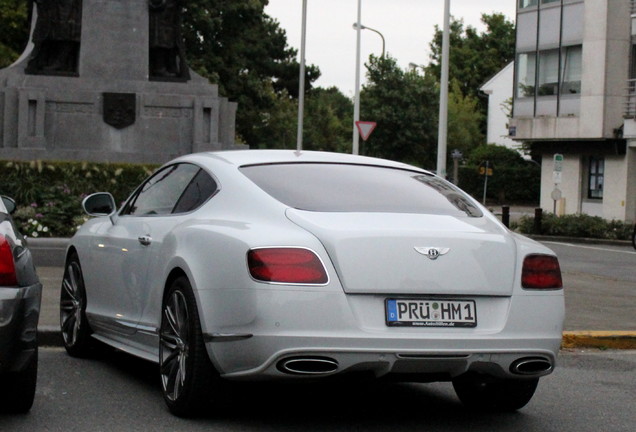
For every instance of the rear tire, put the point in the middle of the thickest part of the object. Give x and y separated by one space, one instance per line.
187 374
634 237
491 394
18 388
76 331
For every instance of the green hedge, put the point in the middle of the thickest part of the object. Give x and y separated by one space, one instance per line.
579 225
518 185
49 194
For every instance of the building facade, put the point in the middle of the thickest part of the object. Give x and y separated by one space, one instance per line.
499 92
574 60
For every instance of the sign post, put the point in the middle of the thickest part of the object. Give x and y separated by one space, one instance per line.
486 170
557 178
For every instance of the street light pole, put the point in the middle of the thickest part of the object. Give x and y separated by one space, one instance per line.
356 102
443 96
301 80
363 27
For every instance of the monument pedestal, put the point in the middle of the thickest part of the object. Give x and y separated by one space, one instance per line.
111 109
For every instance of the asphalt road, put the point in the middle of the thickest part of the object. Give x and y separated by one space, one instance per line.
589 391
600 285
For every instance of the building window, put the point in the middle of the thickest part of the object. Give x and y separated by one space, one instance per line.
571 70
526 67
549 1
527 3
548 73
596 178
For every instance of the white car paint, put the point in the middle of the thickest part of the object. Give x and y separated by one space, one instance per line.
251 326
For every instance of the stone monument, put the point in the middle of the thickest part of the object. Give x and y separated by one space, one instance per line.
106 80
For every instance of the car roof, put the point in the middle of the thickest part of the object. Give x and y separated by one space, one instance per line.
240 158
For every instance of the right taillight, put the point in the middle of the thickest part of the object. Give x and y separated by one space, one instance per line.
7 266
541 272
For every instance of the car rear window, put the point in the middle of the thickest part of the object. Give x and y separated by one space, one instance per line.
326 187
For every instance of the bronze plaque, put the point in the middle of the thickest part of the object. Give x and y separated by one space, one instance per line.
120 109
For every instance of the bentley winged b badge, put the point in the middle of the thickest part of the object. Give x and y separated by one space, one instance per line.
431 252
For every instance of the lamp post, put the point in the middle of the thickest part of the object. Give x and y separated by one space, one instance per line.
356 101
301 80
363 27
443 96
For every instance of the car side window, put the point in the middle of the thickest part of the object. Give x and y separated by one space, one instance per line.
198 191
161 192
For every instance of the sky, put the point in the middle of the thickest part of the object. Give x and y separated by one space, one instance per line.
407 26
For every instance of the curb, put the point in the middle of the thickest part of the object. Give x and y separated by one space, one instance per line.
49 336
583 240
600 339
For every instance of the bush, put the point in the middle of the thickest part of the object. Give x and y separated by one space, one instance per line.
49 194
519 185
579 225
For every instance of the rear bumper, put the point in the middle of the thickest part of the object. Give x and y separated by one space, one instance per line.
19 315
347 333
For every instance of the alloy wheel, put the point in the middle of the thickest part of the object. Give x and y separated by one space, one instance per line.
174 345
72 304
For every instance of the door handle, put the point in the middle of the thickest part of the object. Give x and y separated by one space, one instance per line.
145 240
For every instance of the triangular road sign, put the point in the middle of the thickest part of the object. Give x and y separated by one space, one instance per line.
365 128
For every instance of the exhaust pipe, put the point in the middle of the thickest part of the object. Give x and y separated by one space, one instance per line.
308 365
531 366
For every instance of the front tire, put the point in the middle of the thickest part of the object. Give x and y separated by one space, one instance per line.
491 394
187 374
73 323
634 237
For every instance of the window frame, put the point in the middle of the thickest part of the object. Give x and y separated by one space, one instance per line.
595 177
126 208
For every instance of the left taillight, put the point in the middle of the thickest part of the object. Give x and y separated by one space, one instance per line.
541 272
8 276
286 265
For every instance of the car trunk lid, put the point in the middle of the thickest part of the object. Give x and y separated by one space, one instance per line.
387 253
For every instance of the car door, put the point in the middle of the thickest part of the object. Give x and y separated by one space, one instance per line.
126 250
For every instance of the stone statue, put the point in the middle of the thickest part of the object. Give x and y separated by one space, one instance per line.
167 59
56 38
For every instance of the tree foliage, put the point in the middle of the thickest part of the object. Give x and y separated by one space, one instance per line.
464 121
497 155
475 57
404 105
15 30
243 50
328 121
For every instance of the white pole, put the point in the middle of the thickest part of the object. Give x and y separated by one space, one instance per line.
301 85
356 101
443 96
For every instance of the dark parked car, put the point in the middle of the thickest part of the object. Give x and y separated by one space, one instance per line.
20 297
634 237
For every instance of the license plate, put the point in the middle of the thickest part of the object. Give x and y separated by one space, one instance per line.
431 313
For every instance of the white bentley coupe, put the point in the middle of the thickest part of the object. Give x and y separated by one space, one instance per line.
246 265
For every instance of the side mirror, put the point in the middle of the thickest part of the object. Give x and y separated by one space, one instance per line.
99 204
9 204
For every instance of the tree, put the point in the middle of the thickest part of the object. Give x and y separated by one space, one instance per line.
237 46
475 57
328 120
405 106
464 121
15 30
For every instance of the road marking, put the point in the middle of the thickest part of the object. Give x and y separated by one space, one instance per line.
591 247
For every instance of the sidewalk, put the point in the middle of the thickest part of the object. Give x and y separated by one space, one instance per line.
49 253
